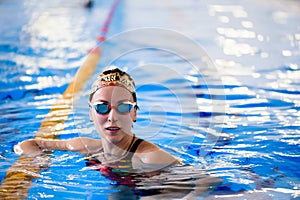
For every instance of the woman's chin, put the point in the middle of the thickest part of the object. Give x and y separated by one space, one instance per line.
113 137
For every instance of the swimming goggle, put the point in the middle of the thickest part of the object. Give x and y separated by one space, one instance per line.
103 108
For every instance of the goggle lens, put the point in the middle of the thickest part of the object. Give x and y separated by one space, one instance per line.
122 108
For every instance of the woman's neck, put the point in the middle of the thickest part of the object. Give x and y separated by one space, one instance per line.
115 151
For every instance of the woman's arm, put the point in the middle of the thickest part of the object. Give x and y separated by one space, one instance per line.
35 147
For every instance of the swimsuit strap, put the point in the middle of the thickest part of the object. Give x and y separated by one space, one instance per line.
136 145
133 148
131 144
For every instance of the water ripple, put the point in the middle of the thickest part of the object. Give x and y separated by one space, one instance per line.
253 113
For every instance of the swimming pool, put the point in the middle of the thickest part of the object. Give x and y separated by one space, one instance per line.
254 82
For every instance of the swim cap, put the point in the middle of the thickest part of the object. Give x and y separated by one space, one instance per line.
113 77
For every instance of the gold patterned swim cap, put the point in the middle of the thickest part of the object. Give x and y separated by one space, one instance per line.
113 77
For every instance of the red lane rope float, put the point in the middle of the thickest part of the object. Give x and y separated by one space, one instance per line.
18 179
104 29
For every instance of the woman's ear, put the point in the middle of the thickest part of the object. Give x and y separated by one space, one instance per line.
134 116
91 118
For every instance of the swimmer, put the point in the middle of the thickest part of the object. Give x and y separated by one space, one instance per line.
113 110
119 155
89 4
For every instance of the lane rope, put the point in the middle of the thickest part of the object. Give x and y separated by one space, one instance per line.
18 179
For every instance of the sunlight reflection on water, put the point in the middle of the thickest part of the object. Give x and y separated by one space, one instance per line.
255 46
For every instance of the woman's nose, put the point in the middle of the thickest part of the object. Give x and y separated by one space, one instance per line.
112 115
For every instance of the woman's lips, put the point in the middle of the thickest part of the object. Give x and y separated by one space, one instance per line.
112 129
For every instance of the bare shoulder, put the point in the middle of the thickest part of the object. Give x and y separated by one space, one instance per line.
147 147
150 153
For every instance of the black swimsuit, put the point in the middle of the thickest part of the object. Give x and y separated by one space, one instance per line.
117 171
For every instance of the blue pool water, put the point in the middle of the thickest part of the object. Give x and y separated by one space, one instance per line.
218 86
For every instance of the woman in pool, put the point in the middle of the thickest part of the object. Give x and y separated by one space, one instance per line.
113 109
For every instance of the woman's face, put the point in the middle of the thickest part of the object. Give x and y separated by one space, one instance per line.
112 126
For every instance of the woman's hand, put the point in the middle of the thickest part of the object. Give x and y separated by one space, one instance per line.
28 148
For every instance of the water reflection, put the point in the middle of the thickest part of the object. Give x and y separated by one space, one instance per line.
232 47
236 33
236 10
255 53
280 17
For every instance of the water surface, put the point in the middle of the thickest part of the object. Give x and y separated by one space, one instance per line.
247 102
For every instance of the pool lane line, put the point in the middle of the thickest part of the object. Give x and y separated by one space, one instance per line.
18 179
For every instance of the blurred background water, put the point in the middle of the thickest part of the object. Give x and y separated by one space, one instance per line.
254 46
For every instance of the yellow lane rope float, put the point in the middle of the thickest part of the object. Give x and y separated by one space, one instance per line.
18 179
